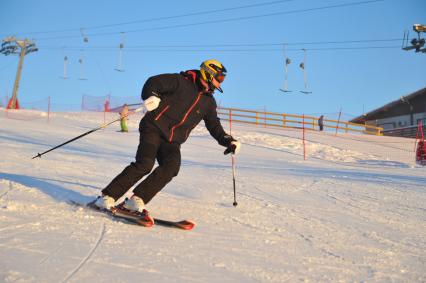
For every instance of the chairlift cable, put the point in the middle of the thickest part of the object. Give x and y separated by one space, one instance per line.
161 18
215 21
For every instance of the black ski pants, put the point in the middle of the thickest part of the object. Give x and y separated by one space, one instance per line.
152 146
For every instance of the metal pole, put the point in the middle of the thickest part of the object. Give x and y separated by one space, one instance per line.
338 122
21 44
233 162
235 203
11 45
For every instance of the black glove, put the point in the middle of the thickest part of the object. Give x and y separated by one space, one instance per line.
230 148
233 146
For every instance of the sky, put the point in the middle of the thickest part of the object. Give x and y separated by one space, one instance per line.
354 60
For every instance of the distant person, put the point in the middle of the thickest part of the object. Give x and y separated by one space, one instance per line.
421 153
123 118
321 122
176 103
106 106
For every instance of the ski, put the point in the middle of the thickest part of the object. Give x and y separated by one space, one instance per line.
183 224
135 219
143 220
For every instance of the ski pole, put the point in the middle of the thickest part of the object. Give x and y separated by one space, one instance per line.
134 104
86 133
233 181
233 161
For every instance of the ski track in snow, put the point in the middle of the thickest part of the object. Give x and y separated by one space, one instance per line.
54 253
89 255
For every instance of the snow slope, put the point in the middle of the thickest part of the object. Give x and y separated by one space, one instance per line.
353 211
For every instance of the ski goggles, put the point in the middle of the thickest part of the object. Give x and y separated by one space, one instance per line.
220 77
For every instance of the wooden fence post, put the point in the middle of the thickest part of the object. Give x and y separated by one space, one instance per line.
303 137
230 121
338 122
264 117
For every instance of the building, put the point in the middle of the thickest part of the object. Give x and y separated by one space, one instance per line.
399 117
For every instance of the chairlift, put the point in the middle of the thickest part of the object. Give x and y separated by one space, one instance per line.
81 62
65 68
120 55
305 77
287 62
65 76
85 38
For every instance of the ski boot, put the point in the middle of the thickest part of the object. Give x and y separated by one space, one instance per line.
134 209
103 203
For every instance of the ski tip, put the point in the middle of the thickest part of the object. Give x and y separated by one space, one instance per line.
187 224
190 222
146 224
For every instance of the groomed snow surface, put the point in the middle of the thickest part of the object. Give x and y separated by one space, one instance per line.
354 211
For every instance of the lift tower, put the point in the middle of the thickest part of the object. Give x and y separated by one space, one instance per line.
418 44
11 45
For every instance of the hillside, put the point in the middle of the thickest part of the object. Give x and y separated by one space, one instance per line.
353 211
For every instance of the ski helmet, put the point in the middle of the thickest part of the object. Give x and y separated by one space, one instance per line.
213 69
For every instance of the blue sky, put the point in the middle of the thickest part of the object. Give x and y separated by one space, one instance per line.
347 76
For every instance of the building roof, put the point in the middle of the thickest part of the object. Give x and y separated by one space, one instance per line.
402 101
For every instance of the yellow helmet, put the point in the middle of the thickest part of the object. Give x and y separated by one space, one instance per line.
212 69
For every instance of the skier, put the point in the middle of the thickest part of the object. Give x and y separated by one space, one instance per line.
321 122
421 153
176 103
123 118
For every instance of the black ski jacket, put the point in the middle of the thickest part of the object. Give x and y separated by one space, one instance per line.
183 105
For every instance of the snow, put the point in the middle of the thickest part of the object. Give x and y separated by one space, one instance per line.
353 211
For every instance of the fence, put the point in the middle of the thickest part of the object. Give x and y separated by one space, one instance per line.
107 103
407 132
33 110
284 120
273 119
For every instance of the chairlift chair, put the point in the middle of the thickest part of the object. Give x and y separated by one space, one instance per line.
287 62
120 55
81 62
305 77
85 38
65 76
